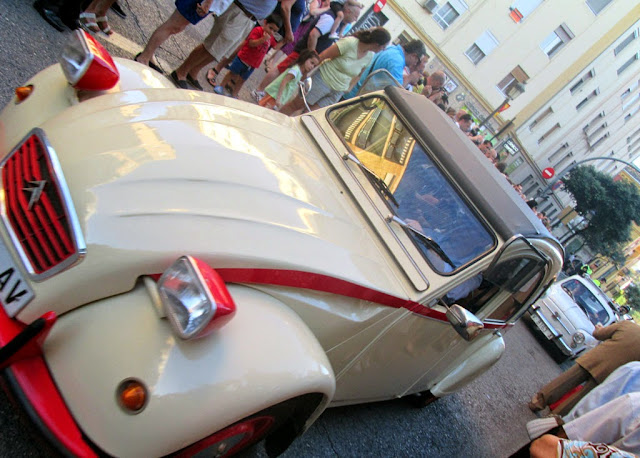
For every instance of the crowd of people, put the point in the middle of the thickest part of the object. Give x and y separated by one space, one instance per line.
594 406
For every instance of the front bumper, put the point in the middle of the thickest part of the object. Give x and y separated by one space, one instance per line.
548 330
31 385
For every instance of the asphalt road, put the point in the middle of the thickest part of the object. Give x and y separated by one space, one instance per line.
485 419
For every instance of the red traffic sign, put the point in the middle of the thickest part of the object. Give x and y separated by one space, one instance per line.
379 5
548 173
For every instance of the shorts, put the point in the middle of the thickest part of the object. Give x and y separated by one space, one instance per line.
187 8
241 69
267 101
228 32
321 94
288 62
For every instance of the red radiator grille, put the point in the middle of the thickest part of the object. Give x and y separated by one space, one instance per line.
35 208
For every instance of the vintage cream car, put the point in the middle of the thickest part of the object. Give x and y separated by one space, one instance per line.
568 313
182 272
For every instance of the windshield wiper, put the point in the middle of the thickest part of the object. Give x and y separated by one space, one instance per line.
424 238
375 179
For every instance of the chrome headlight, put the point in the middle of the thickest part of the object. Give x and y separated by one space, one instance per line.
578 338
194 297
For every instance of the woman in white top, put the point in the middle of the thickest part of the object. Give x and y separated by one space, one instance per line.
341 66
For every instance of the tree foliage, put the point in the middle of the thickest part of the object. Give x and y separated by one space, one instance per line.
632 293
609 206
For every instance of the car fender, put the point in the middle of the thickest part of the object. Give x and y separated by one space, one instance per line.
52 94
264 355
470 365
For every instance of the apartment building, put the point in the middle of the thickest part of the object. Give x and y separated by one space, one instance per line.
568 71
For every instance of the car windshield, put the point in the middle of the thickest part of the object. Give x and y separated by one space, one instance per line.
587 301
426 200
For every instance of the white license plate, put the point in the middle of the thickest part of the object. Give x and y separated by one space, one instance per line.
543 327
15 292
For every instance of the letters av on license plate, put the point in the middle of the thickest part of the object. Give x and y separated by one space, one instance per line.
543 327
15 292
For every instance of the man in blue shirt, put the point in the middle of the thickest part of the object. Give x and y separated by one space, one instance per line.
394 59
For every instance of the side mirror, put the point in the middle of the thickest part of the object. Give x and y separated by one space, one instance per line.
464 322
305 87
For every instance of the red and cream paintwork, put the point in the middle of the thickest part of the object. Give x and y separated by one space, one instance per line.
326 300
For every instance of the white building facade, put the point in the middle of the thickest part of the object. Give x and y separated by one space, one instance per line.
574 63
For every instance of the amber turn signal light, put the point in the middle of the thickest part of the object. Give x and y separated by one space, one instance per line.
23 92
132 396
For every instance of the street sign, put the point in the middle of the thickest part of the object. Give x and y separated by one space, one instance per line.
379 5
548 173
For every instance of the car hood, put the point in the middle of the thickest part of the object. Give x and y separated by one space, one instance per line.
569 312
156 174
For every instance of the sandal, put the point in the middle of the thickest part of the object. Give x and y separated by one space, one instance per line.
88 22
194 82
104 25
150 64
212 74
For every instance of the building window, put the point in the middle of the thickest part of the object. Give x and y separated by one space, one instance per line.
628 63
632 148
449 12
514 165
597 5
548 133
547 208
586 100
517 75
556 40
624 43
563 160
481 47
631 137
540 118
520 9
631 113
557 152
631 101
530 189
526 180
629 90
586 77
596 132
598 117
598 141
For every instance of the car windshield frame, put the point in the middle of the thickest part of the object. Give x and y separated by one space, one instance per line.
381 139
585 299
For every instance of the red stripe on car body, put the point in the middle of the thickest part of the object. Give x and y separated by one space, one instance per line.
327 284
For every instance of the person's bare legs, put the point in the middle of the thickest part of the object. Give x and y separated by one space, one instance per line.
292 106
98 8
194 62
544 446
175 24
268 78
237 83
217 69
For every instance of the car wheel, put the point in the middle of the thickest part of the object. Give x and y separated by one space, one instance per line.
279 424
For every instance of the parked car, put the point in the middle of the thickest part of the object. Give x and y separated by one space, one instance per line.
182 272
569 311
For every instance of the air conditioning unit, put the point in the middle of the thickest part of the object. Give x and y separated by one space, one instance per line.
430 5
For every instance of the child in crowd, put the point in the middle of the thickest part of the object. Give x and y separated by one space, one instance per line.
284 88
337 6
250 55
